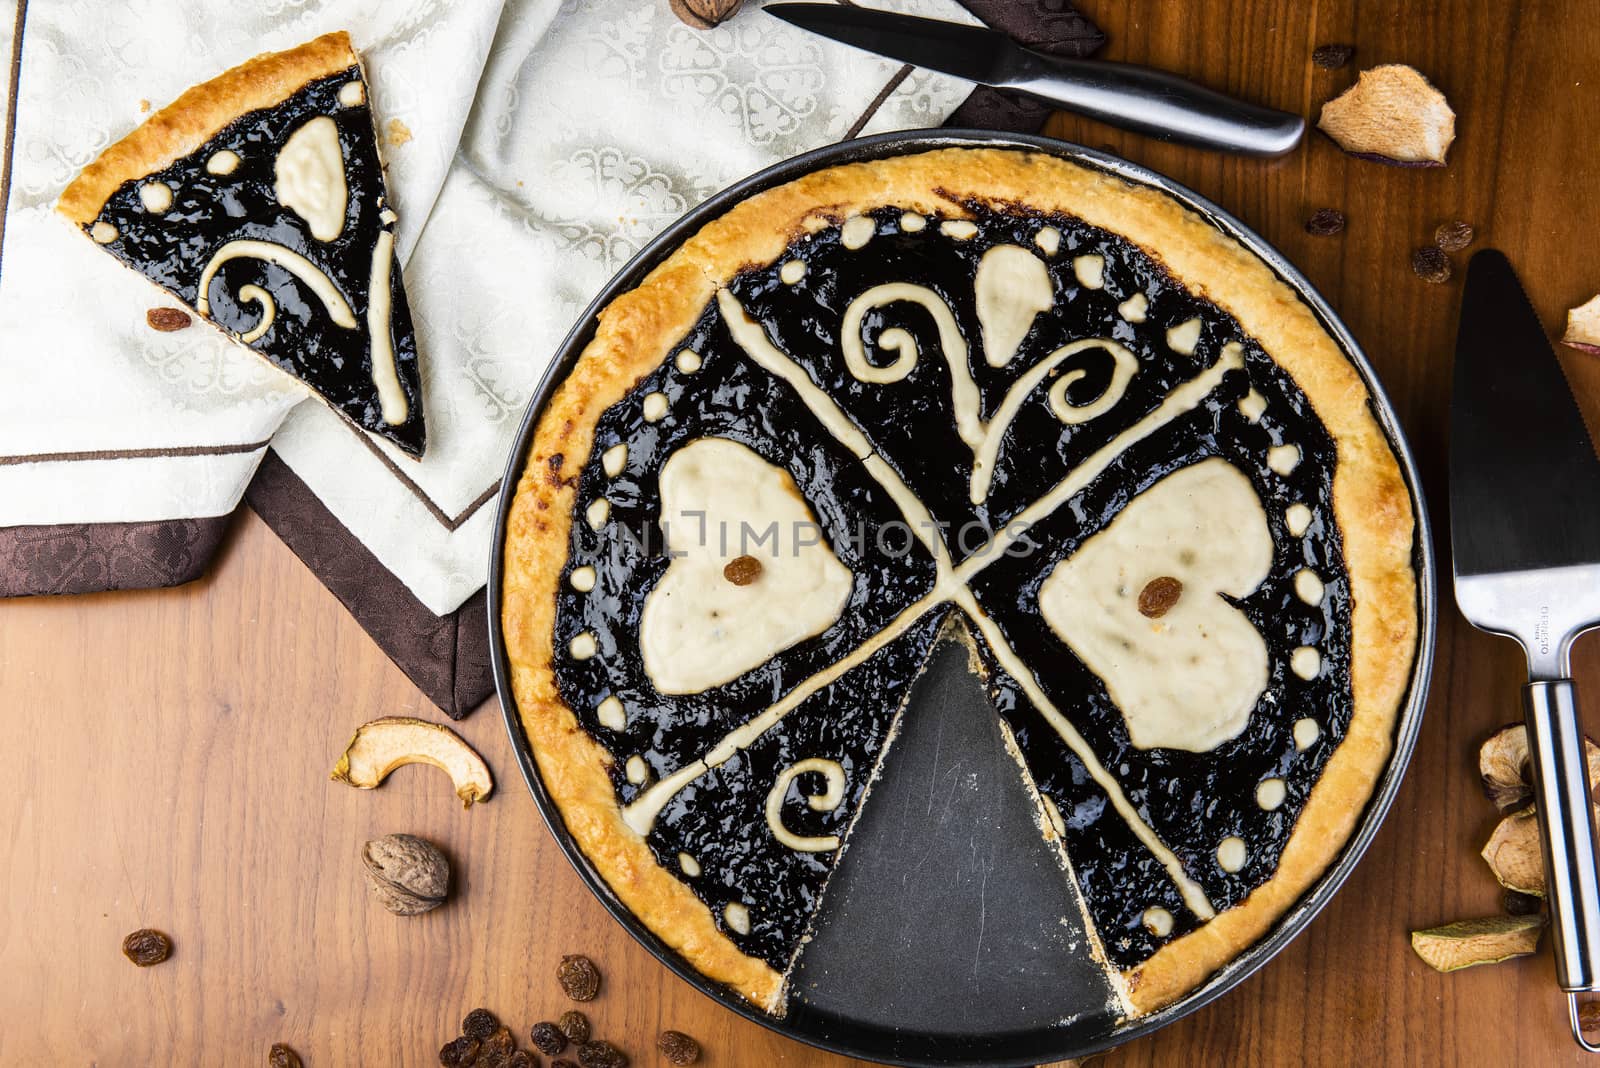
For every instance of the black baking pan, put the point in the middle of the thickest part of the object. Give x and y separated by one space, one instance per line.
937 947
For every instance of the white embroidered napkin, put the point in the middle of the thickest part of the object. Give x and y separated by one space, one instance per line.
533 147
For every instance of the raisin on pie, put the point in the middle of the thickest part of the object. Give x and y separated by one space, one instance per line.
258 199
984 388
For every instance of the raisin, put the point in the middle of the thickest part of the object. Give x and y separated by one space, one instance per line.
548 1039
479 1024
1453 236
1589 1016
281 1056
575 1025
678 1048
563 1063
1332 56
499 1044
1159 595
460 1053
1325 222
579 978
1517 903
521 1059
167 320
742 570
601 1055
1431 264
146 947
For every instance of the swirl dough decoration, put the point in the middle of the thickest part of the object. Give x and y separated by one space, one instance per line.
831 798
1012 288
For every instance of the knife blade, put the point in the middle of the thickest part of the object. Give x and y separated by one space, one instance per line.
1140 99
1525 535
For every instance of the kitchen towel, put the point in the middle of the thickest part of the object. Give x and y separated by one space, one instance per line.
533 146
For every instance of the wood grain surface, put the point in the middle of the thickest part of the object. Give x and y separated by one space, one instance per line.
166 754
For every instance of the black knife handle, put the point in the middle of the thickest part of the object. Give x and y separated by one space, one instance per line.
1155 103
1566 824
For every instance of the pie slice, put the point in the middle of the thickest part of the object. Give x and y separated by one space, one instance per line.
258 199
989 384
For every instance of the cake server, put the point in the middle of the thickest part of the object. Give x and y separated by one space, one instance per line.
1525 530
1140 99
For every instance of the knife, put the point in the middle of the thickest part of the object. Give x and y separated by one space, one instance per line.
1135 98
1525 531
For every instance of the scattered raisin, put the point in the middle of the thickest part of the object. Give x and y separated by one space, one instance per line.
678 1048
460 1053
575 1025
1517 903
742 570
1453 236
479 1024
579 978
1325 222
167 320
521 1059
563 1063
146 947
500 1044
547 1038
1332 56
281 1056
1159 595
599 1054
1431 264
1589 1016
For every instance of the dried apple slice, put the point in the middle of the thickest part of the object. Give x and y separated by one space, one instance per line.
1467 943
1514 855
1583 327
1507 771
1391 115
385 744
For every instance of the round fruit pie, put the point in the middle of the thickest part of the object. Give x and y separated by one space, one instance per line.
977 390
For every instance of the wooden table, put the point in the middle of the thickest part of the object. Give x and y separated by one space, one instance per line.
168 752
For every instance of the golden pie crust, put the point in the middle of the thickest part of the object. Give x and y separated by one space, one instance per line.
197 116
641 328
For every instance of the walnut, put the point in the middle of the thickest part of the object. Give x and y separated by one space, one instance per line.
408 875
705 14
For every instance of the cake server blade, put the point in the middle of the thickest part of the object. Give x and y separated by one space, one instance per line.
1140 99
1525 530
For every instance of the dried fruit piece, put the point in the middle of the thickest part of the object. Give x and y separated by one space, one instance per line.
601 1055
167 320
1466 943
521 1059
578 977
385 744
1391 115
1507 772
459 1052
1431 264
575 1025
1325 222
705 14
563 1063
1514 855
742 570
1589 1016
1159 595
547 1038
1516 903
1583 327
1332 56
479 1024
1453 236
408 875
281 1056
497 1046
678 1048
146 947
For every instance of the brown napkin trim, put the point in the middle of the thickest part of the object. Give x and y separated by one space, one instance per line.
446 656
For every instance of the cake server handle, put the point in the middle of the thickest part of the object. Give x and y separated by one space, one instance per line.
1566 826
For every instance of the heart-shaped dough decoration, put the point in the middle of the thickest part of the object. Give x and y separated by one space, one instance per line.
706 622
1140 604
